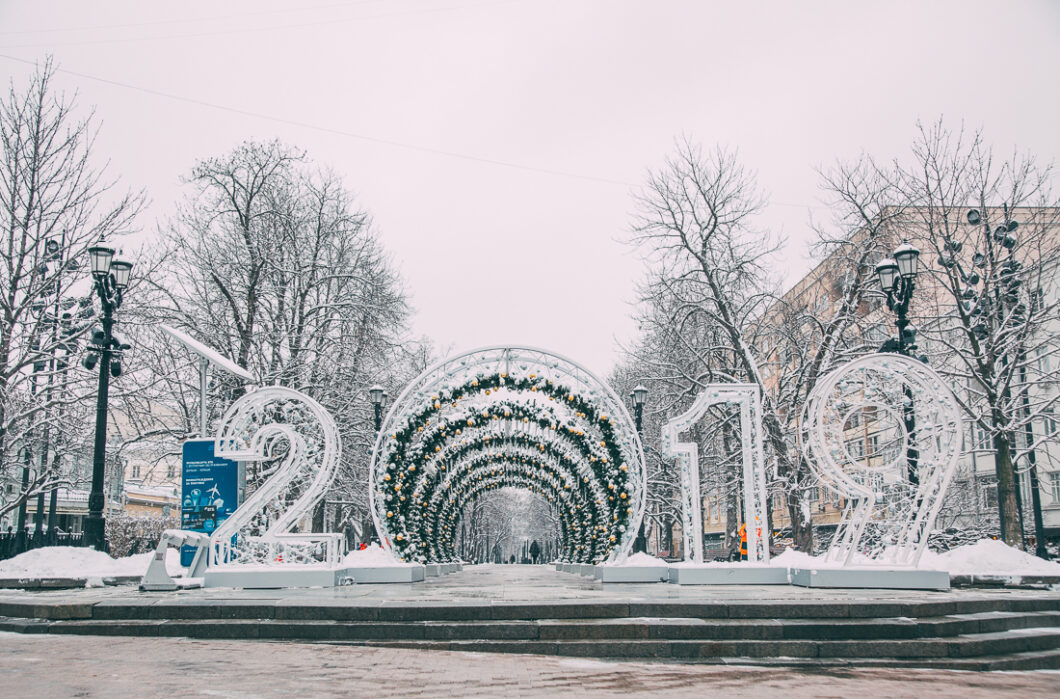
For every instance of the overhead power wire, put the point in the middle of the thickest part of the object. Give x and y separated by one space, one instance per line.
330 130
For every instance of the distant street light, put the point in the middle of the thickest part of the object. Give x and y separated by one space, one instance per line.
637 397
378 395
111 277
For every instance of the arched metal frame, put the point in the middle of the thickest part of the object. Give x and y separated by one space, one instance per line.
884 386
498 405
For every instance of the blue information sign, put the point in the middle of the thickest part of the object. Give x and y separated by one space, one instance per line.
209 492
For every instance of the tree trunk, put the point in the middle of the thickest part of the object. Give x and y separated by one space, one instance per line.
1006 492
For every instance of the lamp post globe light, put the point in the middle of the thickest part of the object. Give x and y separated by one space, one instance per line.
110 277
897 275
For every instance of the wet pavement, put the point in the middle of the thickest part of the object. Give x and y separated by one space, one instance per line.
65 666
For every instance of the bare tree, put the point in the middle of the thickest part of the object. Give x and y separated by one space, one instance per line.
992 228
711 312
54 203
270 263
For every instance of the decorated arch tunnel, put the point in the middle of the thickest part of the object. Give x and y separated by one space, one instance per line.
508 417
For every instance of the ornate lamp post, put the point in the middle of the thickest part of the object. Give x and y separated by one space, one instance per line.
637 397
111 278
897 276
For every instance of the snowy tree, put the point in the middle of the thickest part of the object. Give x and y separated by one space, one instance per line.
990 229
54 204
270 262
711 312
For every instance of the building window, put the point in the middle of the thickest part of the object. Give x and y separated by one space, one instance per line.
981 439
1050 422
988 487
171 470
1054 482
856 449
136 470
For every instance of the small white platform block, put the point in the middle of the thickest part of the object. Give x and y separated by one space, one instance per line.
729 574
259 578
869 577
381 574
632 574
587 569
432 570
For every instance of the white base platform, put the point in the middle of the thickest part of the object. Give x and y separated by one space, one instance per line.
272 578
872 578
389 574
432 570
269 578
631 574
577 568
729 574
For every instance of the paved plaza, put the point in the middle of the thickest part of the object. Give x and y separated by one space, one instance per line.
65 666
501 584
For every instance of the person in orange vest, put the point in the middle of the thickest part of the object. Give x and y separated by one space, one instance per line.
743 541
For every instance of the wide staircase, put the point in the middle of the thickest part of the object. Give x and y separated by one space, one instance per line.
988 632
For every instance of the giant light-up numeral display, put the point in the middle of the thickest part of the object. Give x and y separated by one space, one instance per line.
507 417
747 397
298 439
856 440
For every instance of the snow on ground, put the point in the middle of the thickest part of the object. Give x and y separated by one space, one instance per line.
76 562
988 557
372 557
985 557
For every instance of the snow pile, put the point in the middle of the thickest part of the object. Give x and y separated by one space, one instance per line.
75 562
985 557
988 557
640 560
372 557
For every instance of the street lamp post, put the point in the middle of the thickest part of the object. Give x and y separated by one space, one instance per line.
111 278
378 396
898 279
637 397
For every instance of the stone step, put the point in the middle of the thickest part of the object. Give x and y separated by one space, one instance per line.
342 610
559 630
977 648
1029 641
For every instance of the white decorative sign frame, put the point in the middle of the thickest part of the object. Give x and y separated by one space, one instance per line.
252 430
749 400
887 386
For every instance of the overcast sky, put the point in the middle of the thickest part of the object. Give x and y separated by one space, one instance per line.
497 143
